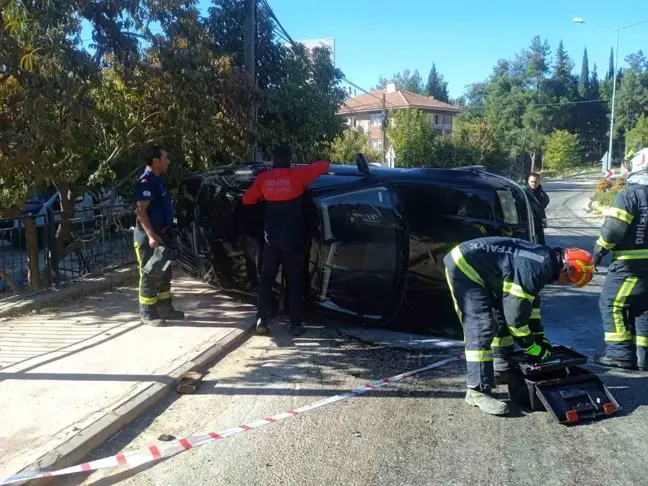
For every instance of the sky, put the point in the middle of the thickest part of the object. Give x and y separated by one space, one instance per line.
465 38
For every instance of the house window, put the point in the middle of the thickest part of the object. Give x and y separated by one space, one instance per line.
447 121
436 120
376 143
376 120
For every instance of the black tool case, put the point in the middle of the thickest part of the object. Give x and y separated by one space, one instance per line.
570 393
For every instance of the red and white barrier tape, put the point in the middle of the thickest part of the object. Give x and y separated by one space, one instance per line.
168 449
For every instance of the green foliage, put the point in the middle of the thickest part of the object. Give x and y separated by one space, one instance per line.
637 138
412 135
415 143
606 192
406 80
562 151
436 86
350 142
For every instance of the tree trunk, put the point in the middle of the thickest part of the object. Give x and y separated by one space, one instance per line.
32 253
67 212
533 159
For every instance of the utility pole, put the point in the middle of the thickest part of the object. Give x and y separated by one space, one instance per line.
249 45
614 83
384 130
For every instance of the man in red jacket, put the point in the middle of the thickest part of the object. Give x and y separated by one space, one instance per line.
282 188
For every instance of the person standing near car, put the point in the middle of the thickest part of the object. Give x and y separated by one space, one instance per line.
154 210
282 187
533 187
624 298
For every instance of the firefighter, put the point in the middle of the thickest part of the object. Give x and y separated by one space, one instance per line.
506 274
624 298
282 188
154 211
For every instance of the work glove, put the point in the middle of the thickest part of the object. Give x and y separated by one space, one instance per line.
539 352
599 254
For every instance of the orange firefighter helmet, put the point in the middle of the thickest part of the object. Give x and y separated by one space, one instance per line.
579 266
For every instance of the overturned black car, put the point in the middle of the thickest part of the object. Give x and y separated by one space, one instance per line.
376 236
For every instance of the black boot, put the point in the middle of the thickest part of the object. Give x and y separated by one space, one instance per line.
262 327
150 317
166 310
603 360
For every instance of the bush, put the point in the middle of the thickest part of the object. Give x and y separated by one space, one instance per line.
604 185
620 184
604 198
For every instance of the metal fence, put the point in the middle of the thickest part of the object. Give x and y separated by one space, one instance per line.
100 238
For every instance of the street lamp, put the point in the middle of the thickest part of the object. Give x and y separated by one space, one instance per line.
579 20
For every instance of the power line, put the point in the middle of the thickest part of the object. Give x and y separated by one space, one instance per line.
534 104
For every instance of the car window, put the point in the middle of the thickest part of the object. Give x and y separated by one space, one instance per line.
509 207
424 202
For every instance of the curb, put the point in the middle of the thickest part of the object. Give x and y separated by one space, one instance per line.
82 288
78 446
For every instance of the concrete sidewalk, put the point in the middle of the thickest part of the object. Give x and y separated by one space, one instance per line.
71 377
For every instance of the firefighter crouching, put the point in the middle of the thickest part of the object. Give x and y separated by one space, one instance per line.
154 221
624 298
505 273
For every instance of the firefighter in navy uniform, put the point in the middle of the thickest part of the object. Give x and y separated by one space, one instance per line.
624 298
282 188
507 274
154 211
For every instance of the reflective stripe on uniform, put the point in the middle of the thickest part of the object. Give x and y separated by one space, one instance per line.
604 244
164 295
617 309
621 214
615 337
641 341
523 331
479 356
503 342
515 289
142 300
630 255
465 267
535 314
454 300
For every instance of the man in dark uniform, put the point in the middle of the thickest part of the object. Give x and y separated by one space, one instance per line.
504 273
624 298
282 188
154 221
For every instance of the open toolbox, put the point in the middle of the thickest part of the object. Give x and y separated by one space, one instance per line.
570 393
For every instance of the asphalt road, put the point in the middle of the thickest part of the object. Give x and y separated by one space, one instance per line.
412 433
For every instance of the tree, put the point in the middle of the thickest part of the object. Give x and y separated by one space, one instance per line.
637 137
632 94
299 92
610 71
350 142
404 81
562 151
412 136
436 86
584 81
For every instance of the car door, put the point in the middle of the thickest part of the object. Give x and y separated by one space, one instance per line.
515 214
362 257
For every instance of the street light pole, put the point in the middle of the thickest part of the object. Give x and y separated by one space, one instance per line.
616 68
578 20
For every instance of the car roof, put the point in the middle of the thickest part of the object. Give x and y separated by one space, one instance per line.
239 176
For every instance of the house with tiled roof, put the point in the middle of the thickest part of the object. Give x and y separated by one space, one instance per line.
364 112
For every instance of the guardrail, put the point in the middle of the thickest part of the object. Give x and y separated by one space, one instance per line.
99 238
